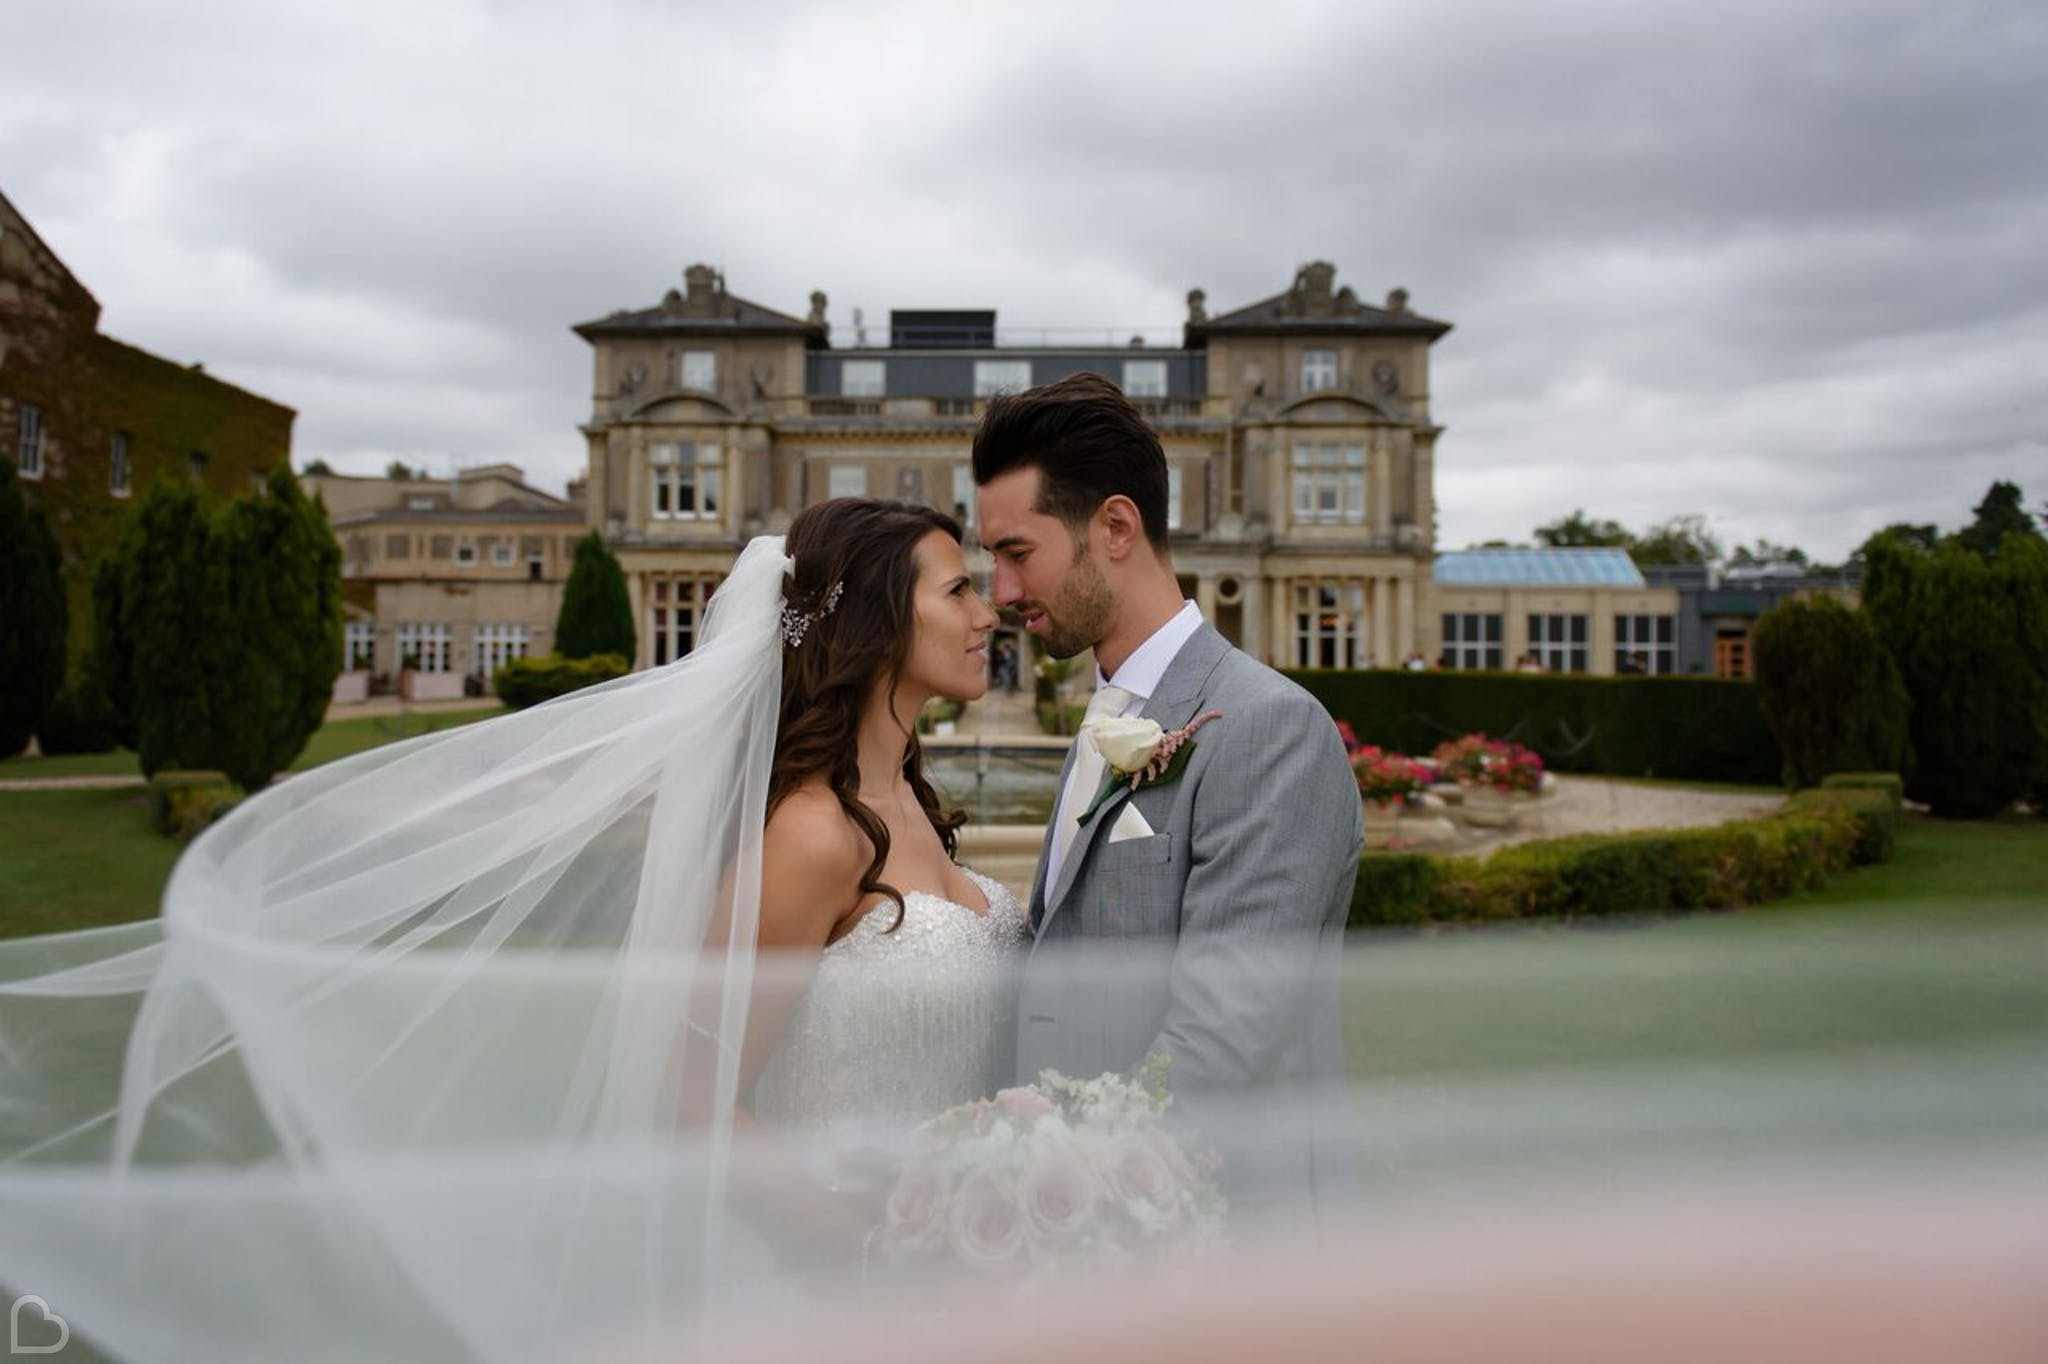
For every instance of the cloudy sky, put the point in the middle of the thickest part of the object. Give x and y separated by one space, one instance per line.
1782 264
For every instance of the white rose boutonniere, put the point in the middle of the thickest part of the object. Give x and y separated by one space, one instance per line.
1138 753
1126 743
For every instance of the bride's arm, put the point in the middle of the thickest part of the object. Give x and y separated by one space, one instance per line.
812 858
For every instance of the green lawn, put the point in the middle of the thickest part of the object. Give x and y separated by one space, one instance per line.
82 859
78 859
336 739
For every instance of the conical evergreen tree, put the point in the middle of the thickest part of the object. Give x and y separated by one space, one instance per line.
219 628
596 615
33 615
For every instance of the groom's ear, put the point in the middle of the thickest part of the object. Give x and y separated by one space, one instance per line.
1123 528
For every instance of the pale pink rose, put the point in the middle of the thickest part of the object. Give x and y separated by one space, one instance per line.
1060 1194
1024 1103
916 1214
1142 1181
984 1224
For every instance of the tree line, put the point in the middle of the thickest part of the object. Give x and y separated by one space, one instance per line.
1687 539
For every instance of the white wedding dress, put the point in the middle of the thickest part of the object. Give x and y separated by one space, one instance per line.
902 1023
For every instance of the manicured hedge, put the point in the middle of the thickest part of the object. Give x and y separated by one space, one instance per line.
1691 728
1747 862
182 804
529 681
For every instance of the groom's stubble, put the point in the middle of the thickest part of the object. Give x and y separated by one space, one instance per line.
1080 616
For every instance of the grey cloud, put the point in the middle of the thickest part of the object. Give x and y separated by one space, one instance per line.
1774 263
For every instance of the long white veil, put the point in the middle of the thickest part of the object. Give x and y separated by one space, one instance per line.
434 1051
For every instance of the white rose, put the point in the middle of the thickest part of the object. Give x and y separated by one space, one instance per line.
1126 743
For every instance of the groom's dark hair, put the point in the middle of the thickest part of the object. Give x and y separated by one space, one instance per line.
1088 442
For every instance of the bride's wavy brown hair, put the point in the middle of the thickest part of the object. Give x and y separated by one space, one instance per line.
869 549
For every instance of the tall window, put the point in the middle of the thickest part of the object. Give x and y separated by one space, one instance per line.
687 479
1174 489
1329 625
424 645
863 378
1559 642
846 480
1145 378
1649 636
196 463
1472 639
28 440
120 474
675 612
359 644
496 645
1329 484
700 369
998 376
1318 369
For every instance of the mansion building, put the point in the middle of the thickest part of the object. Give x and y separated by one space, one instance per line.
1301 457
1298 435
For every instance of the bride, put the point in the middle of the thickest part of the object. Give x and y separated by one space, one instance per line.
482 1043
858 855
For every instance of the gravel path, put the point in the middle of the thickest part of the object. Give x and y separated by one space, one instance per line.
1593 805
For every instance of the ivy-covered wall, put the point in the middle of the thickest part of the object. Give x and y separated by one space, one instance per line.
179 423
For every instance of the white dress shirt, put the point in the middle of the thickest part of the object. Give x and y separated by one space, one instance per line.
1140 676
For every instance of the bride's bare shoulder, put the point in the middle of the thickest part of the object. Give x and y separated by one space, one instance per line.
812 858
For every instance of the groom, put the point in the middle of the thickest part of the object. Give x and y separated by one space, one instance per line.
1218 893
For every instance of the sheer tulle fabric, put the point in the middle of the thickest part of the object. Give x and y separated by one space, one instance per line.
434 1051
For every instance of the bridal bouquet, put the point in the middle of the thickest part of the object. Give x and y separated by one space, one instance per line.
1053 1177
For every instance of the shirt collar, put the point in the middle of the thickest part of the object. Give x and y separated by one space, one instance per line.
1142 671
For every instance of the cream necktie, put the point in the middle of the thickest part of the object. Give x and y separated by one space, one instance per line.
1086 777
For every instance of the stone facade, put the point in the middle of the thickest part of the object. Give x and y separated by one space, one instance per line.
1297 429
456 575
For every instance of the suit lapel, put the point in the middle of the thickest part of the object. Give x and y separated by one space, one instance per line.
1172 705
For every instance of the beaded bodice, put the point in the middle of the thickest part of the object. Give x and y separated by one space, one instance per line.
904 1023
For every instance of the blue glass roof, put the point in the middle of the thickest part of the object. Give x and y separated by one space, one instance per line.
1537 568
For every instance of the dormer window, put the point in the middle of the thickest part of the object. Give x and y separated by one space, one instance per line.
863 378
1318 369
1145 378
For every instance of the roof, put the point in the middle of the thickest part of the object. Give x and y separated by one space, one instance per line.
705 309
13 219
1311 305
1537 568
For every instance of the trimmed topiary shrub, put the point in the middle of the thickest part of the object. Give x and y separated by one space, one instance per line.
1830 692
183 804
527 682
596 615
1690 728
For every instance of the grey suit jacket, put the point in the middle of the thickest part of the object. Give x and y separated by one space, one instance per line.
1215 940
